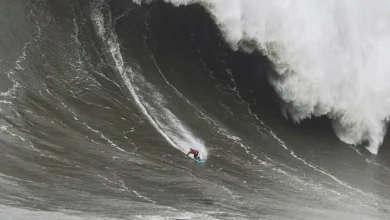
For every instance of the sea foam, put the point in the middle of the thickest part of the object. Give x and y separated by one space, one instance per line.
332 57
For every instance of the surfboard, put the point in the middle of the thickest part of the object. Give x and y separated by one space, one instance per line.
199 161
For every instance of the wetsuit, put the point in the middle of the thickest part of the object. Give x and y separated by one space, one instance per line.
195 152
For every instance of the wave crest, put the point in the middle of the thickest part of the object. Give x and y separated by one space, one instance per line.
331 57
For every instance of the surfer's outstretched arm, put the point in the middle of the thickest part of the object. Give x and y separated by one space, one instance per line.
192 151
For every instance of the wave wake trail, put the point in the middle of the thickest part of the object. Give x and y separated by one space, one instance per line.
148 99
331 57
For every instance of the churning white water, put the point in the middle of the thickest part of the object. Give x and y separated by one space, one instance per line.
333 57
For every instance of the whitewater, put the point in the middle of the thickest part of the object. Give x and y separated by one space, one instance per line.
330 57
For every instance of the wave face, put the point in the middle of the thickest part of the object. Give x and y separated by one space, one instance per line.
101 100
331 57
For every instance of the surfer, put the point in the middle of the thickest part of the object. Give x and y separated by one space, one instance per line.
195 153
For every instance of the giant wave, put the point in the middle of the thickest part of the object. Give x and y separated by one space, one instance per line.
330 57
101 100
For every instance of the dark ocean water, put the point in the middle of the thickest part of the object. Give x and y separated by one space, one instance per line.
100 101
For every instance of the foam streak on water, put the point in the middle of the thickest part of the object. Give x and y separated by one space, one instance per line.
165 122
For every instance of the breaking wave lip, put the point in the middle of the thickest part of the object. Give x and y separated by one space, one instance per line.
330 57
